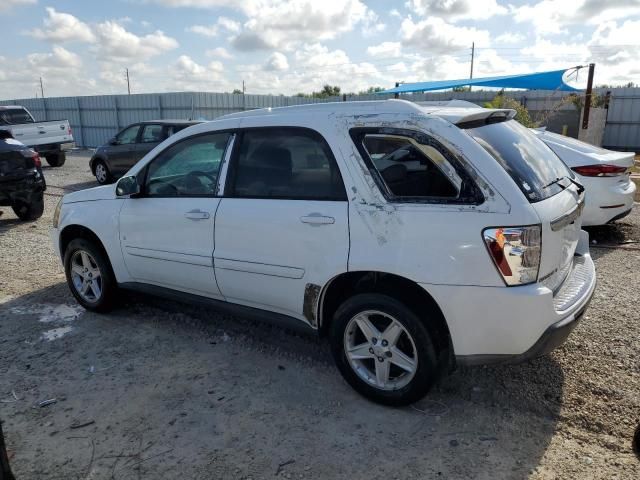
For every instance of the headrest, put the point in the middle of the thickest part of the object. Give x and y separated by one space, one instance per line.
394 173
269 156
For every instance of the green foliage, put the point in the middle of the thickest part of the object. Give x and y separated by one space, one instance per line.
522 114
371 90
461 89
237 91
327 91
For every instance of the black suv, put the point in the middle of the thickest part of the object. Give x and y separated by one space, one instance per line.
22 184
119 154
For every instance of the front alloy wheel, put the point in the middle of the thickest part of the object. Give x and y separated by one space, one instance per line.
383 349
89 275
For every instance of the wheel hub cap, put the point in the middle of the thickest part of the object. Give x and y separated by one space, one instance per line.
86 276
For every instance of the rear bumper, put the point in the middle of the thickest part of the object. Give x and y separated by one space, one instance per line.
23 188
606 204
513 324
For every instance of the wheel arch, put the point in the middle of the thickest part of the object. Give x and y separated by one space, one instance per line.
74 231
94 160
347 284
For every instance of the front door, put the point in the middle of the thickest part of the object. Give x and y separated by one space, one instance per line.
151 136
167 233
121 153
282 227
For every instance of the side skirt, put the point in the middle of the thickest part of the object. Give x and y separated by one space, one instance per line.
284 321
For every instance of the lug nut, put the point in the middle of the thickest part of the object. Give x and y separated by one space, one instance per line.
381 359
384 343
374 340
388 354
371 350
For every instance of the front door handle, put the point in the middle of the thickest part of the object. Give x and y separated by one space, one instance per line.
197 215
317 219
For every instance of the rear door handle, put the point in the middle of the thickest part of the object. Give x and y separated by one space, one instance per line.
317 219
197 215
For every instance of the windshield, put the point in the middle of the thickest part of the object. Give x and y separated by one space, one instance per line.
527 159
14 116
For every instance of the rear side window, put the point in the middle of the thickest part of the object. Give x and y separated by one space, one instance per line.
412 166
527 159
152 134
13 116
286 163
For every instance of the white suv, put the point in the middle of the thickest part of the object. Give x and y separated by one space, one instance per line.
415 237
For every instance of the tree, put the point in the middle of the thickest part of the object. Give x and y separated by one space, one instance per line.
502 101
237 91
371 90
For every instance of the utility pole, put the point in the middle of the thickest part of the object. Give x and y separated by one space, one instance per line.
587 97
243 87
41 88
128 84
396 95
473 53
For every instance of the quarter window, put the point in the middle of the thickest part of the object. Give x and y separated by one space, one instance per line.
287 163
187 168
410 168
128 135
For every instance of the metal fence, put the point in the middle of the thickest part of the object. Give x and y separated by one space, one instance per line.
95 119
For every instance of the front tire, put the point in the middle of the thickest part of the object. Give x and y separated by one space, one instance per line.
383 350
29 211
89 275
56 159
103 176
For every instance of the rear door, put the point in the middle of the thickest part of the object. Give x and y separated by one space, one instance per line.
548 184
121 155
282 227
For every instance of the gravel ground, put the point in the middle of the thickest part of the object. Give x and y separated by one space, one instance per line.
159 389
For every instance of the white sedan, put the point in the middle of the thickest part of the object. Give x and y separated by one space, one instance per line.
605 174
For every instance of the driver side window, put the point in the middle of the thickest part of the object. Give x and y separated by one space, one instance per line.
128 135
188 168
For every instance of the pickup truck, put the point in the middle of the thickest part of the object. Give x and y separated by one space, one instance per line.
50 139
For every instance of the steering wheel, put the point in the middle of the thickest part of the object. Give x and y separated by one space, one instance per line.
199 173
162 187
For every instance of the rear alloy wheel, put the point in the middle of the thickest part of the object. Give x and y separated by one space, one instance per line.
383 349
102 173
56 159
89 275
29 211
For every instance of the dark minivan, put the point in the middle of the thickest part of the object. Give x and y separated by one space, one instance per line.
119 154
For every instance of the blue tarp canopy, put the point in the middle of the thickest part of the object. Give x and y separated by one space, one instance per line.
530 81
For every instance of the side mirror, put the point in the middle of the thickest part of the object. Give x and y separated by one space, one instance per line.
128 186
113 141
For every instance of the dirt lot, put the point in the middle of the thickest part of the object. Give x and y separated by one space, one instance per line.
162 390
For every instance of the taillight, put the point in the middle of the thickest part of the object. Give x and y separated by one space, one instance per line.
33 155
515 251
600 170
69 131
36 160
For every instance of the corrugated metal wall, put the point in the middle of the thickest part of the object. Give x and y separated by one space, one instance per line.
95 119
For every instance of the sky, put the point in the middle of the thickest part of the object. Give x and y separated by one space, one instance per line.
82 47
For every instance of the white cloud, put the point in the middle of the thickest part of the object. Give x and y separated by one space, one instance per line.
395 13
554 16
115 43
214 29
277 62
458 9
63 27
219 52
435 36
617 46
385 50
509 37
59 59
187 74
7 5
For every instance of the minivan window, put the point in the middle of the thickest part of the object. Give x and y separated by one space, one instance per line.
128 136
152 134
286 163
13 116
527 159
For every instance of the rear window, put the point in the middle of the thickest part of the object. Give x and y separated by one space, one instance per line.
527 159
13 116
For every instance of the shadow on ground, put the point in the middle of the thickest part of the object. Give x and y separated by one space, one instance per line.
172 390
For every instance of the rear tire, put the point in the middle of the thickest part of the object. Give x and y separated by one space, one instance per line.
29 211
103 176
405 353
56 159
89 275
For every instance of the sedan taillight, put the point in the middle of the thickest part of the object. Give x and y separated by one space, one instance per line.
515 251
600 170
